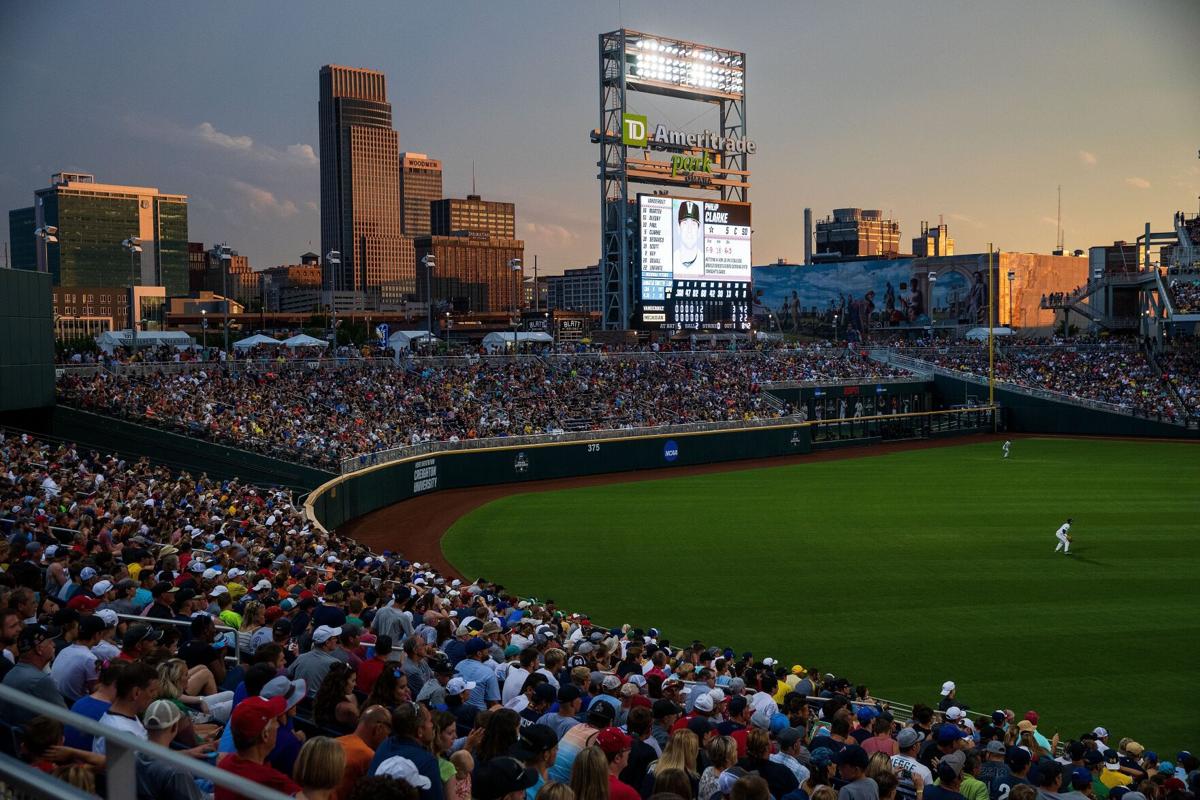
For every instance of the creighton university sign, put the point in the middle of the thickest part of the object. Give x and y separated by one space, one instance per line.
635 132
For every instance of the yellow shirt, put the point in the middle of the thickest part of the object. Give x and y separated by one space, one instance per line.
134 570
1112 778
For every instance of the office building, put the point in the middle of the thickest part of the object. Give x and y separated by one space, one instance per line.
472 272
235 279
197 266
1115 259
360 182
94 218
22 244
575 290
305 275
420 185
858 232
933 242
455 216
85 311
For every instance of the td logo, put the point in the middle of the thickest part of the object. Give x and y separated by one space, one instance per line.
634 130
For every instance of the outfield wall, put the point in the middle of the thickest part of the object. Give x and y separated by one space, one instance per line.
357 493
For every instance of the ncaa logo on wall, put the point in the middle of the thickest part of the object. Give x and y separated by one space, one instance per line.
634 130
521 464
670 450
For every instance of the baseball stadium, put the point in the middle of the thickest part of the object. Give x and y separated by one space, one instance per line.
873 526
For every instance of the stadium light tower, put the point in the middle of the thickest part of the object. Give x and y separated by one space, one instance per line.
430 262
134 245
632 61
333 261
929 300
1012 276
515 266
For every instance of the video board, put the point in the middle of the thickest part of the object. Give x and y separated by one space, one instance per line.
695 263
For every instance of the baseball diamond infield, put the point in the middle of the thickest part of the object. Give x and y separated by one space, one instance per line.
901 566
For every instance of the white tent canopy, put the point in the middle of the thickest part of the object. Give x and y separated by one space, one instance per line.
981 334
501 341
402 340
254 341
110 340
304 340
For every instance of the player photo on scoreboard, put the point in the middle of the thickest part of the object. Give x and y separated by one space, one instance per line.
688 239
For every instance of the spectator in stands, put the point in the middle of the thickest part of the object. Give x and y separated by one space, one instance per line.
319 768
255 723
502 779
75 668
411 738
35 645
946 788
486 689
315 664
288 740
335 707
137 687
779 777
156 779
577 737
616 745
359 747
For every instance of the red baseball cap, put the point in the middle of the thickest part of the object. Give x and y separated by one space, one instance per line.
1032 716
613 740
251 716
81 602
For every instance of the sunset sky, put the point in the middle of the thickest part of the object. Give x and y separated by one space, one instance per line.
973 110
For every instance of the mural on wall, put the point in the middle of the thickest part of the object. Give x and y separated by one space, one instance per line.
858 297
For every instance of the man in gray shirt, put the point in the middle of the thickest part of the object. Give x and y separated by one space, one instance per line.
433 691
36 648
416 664
314 665
392 620
852 764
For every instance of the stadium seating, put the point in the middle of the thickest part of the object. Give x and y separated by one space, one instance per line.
323 415
87 534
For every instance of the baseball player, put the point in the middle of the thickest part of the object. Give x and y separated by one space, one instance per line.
1063 534
1007 444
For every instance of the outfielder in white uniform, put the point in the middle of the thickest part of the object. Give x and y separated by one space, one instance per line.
1007 444
1064 538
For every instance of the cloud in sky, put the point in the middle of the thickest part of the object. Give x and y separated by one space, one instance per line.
263 202
1049 221
1138 183
208 134
966 220
550 234
1087 158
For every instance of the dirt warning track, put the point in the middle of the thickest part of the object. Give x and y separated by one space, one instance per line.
415 527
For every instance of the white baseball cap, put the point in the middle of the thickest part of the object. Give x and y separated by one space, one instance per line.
263 586
102 588
324 633
954 713
1100 732
109 616
704 702
218 591
458 686
948 687
402 769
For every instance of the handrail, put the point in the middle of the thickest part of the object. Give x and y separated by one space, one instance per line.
122 749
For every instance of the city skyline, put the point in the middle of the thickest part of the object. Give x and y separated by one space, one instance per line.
972 112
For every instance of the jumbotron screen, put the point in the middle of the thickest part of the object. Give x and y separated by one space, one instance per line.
695 266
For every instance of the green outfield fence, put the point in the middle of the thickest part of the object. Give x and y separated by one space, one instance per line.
411 472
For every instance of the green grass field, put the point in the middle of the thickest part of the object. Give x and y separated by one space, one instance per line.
901 571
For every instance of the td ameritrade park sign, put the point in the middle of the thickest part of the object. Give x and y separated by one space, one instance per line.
635 132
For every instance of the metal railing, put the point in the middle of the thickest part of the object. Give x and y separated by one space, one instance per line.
122 750
236 658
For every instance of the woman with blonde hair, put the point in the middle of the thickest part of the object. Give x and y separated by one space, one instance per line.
319 767
722 754
553 790
878 764
680 753
172 685
254 616
589 774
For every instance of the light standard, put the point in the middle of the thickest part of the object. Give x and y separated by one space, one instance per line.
204 327
929 300
449 322
835 327
134 245
1012 276
430 262
47 235
333 260
515 266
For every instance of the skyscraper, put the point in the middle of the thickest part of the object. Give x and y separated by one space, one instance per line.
93 219
420 184
453 216
360 183
858 232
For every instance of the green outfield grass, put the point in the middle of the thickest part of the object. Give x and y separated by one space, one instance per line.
901 571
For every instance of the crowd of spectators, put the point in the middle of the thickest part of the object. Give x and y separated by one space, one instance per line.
1181 366
339 673
1118 374
1185 296
331 412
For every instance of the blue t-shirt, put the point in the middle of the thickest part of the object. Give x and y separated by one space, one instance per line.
487 688
91 708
